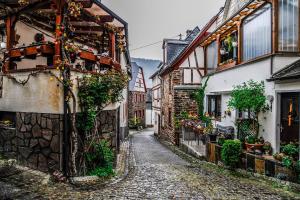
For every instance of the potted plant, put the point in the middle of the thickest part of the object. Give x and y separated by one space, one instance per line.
267 148
278 156
250 97
253 144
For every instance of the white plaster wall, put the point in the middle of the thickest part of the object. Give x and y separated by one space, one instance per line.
42 94
281 62
149 117
223 82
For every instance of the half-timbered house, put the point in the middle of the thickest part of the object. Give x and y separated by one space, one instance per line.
34 115
254 40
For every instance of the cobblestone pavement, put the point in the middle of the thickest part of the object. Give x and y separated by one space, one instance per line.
156 173
161 174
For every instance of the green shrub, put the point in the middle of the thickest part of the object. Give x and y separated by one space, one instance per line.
100 159
231 152
287 162
251 139
290 150
297 166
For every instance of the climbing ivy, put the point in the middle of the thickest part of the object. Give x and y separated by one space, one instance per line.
96 92
199 96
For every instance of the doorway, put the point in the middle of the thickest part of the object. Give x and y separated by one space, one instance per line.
289 119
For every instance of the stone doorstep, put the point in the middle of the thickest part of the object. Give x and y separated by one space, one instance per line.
122 163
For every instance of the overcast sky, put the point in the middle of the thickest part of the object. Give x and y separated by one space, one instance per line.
152 20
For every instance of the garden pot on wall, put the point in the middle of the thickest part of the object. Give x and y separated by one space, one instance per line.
253 147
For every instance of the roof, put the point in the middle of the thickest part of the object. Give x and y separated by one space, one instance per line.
135 71
157 71
192 45
175 47
291 71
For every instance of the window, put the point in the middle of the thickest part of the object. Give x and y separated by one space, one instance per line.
229 48
288 25
257 34
212 55
214 106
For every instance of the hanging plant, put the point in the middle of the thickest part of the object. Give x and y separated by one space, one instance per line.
96 92
74 9
23 2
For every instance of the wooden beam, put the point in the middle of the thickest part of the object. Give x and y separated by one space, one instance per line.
112 47
240 43
275 28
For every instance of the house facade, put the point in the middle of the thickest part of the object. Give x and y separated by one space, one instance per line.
149 109
251 40
177 84
265 49
137 95
34 115
156 99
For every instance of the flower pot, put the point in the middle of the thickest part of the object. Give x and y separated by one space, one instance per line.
253 147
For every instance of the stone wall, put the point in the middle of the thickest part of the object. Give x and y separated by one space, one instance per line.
107 127
39 137
35 142
8 142
175 98
183 101
137 106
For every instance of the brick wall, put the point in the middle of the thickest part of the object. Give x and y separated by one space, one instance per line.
137 106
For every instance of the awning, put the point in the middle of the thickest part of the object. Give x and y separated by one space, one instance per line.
290 72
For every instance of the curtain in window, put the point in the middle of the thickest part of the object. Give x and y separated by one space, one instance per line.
212 55
288 25
257 34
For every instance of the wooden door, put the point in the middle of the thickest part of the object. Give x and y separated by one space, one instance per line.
289 118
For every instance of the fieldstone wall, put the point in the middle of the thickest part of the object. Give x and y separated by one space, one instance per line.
39 140
35 142
136 106
107 127
169 82
8 142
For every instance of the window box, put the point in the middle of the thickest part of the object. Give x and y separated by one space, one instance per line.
105 60
47 49
86 55
30 51
15 53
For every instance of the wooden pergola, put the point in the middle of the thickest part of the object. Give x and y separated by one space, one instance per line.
94 27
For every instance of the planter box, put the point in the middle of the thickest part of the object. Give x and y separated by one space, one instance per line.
15 53
47 49
30 51
105 60
86 55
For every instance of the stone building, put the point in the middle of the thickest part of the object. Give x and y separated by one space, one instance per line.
34 117
137 95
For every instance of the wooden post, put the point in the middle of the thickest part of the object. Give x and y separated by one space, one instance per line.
275 23
240 43
112 44
205 60
58 33
218 40
10 38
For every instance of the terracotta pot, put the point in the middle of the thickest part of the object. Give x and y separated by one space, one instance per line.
253 147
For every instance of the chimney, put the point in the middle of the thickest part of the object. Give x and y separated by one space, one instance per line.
188 32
